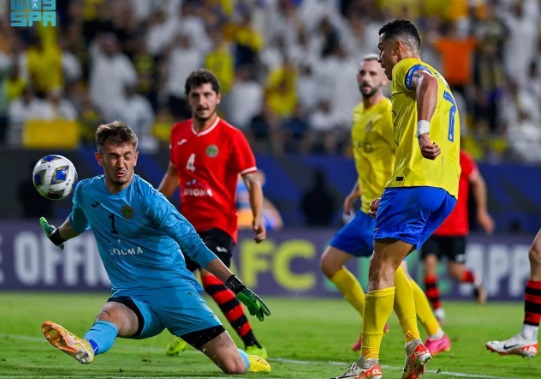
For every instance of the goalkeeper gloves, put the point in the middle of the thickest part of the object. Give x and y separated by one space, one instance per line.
255 305
52 233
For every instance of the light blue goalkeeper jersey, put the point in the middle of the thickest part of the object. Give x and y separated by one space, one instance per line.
139 234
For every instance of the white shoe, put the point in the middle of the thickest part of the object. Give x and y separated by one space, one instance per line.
355 371
352 372
516 345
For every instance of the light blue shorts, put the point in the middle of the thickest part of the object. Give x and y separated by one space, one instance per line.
181 310
412 214
356 237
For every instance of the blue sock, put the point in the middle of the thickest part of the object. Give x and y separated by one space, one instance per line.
244 357
101 336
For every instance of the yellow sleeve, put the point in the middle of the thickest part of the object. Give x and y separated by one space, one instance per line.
403 73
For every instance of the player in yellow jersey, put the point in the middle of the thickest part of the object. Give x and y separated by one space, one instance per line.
373 146
419 195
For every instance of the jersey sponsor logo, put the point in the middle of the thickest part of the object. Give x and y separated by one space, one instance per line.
212 151
369 126
127 212
182 141
361 146
196 188
131 251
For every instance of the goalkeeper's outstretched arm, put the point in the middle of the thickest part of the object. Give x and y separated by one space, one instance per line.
58 235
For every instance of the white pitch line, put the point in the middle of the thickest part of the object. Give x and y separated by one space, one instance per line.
450 373
116 377
277 359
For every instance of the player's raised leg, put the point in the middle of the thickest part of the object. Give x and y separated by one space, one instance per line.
115 319
69 343
525 343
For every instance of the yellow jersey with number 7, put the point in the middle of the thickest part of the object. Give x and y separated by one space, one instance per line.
411 169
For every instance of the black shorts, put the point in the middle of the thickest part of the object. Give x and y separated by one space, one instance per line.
452 247
219 242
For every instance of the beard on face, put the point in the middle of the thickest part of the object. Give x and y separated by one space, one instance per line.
368 95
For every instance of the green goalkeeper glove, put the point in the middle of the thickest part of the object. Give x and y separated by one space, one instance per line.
255 305
51 232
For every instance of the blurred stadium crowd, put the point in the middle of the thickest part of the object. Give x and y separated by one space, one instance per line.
287 68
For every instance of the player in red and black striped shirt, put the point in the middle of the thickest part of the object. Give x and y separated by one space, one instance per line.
206 156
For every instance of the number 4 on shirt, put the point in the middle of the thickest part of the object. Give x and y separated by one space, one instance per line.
190 164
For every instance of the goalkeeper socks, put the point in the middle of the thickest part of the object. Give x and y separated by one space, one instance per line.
231 308
404 306
377 310
532 310
432 291
101 336
244 357
350 288
424 313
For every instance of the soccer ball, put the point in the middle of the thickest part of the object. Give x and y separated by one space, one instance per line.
54 177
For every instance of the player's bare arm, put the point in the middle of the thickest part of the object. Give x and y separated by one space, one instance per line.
374 205
66 230
219 269
479 190
251 180
169 181
426 90
350 199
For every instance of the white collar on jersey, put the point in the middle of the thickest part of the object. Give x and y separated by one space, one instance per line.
208 130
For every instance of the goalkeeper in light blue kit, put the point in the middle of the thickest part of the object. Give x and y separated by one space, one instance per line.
140 235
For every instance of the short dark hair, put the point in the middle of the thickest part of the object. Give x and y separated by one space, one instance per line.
116 132
200 77
401 28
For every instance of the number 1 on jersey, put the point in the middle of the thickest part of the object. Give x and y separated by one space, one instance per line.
113 229
190 164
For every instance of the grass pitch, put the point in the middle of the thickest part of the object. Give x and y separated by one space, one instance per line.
305 338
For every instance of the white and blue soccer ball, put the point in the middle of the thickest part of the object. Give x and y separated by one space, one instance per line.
54 177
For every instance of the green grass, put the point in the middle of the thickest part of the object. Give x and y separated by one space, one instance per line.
306 338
